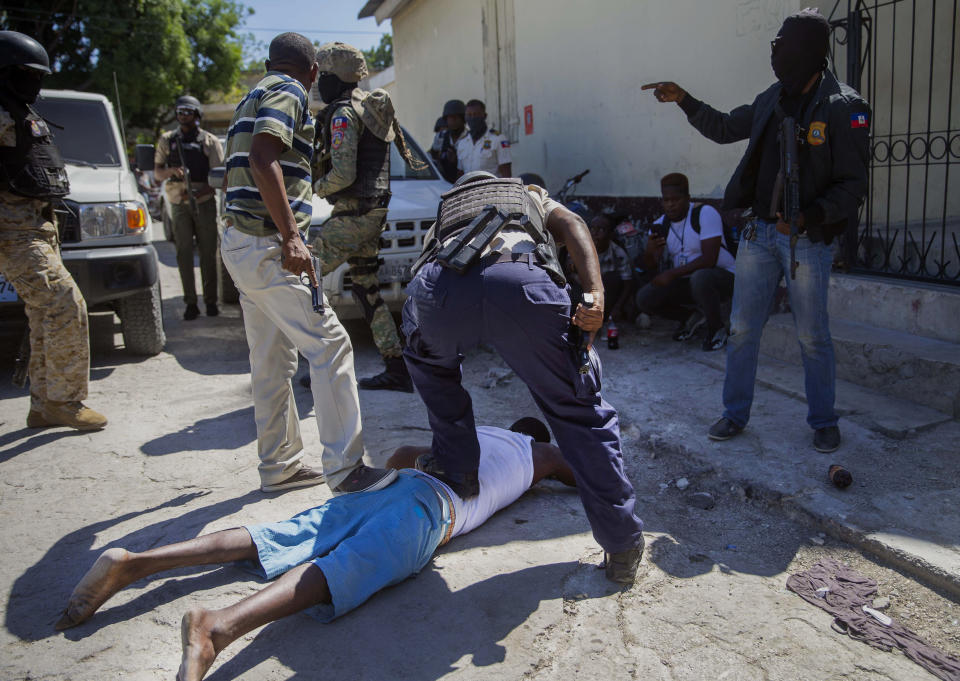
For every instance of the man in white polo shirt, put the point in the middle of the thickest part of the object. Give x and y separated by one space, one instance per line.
482 148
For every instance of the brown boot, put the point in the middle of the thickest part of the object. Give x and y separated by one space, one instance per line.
35 419
74 415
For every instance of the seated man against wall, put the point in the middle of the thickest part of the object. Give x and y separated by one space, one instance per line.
615 269
701 268
335 556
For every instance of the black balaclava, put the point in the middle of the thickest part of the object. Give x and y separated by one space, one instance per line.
24 84
800 50
477 126
330 87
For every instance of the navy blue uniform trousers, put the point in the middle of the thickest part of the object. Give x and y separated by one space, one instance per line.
516 308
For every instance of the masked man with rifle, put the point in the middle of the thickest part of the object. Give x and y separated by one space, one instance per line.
804 177
32 175
352 171
184 156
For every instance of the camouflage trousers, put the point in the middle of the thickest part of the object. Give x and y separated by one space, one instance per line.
59 366
356 240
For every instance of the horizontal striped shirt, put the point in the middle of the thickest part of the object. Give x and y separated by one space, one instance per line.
276 106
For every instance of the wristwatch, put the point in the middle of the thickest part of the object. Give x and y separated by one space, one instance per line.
588 299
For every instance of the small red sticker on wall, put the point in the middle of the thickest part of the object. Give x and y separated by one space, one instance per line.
528 119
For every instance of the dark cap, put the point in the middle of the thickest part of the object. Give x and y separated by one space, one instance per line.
19 49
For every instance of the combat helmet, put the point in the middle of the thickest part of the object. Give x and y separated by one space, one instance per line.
344 61
189 102
454 107
18 49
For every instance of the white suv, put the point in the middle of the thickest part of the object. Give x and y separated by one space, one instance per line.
412 210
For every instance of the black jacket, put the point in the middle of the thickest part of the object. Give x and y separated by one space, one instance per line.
833 164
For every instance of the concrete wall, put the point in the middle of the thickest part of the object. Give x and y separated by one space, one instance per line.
581 68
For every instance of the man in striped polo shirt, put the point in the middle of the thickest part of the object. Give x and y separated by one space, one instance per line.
269 146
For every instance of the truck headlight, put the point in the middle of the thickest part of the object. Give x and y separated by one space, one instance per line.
101 220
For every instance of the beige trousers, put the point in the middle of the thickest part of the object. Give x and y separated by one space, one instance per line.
279 320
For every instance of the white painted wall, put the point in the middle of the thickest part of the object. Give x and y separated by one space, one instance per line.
581 66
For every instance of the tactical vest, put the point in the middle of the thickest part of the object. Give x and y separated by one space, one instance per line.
460 205
33 168
372 181
196 161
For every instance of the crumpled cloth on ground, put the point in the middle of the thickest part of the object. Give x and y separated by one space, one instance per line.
848 592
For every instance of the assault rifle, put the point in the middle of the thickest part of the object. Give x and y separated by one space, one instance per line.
788 181
186 177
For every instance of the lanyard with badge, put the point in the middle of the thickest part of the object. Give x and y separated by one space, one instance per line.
681 258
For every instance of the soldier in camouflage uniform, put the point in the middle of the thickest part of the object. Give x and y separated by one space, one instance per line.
31 174
352 171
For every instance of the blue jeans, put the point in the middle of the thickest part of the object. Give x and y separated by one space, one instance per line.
761 262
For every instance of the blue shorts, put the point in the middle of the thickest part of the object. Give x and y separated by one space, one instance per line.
361 542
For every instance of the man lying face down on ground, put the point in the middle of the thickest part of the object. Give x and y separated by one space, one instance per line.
331 558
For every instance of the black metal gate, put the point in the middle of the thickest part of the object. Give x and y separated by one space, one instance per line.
901 55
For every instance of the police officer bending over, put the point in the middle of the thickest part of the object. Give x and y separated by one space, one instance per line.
489 272
352 171
31 175
832 134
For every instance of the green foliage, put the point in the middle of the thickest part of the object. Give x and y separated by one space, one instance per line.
381 56
159 49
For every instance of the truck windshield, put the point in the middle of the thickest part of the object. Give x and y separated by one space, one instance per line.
81 130
399 170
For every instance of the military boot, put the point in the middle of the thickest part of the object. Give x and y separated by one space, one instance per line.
395 377
73 414
35 418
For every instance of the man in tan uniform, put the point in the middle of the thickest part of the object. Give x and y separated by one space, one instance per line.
197 150
31 174
352 171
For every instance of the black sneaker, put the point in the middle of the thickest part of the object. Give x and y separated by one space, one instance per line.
395 377
689 328
827 439
191 313
305 477
212 310
715 341
622 567
464 485
366 479
724 429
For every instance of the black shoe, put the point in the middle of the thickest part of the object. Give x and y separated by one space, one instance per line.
191 313
212 310
622 567
689 328
305 477
305 381
724 429
714 341
366 479
827 439
464 485
395 377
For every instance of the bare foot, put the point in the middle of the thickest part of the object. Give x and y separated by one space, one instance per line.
198 650
105 578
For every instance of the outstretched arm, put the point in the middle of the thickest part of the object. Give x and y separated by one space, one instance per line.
719 127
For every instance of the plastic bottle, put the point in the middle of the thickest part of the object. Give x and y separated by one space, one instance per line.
613 335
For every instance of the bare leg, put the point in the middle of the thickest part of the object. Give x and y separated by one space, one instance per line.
117 568
548 462
205 633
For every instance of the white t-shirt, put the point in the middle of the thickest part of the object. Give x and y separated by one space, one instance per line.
506 472
487 153
683 243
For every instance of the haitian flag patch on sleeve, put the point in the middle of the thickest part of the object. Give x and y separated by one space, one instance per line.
339 123
859 120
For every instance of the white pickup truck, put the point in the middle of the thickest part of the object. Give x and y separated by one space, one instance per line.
105 228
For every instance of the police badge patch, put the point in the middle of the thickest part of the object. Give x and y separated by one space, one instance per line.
39 129
817 134
337 139
487 144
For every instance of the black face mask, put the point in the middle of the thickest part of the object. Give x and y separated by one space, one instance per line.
477 126
799 52
24 84
329 87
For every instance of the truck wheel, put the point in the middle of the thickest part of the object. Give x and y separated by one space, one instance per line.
141 321
226 289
